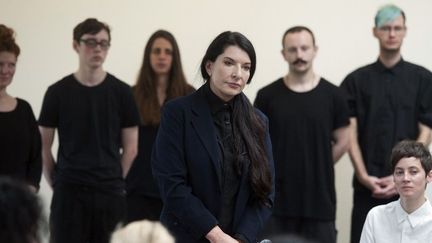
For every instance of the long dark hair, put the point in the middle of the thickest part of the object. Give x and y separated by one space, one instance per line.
145 89
249 145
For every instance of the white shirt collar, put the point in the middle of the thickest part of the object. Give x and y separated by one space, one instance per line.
416 217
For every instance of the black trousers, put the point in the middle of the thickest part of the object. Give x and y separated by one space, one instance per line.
362 203
80 214
319 231
142 207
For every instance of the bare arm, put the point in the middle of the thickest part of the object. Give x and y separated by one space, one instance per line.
47 135
424 134
129 138
357 159
341 142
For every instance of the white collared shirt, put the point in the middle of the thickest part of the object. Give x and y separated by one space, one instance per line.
391 224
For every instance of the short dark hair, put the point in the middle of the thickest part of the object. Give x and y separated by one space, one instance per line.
90 26
297 29
20 213
220 43
408 148
7 40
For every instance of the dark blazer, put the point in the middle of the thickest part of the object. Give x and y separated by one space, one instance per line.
186 165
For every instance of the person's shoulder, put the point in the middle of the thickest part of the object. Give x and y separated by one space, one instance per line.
273 85
364 68
68 79
113 80
330 87
327 84
182 101
416 68
64 83
23 104
384 208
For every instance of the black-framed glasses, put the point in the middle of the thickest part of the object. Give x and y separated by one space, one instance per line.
93 43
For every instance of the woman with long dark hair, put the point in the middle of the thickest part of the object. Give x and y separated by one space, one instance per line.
212 156
160 79
20 142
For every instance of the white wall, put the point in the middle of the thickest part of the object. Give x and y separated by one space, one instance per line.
342 29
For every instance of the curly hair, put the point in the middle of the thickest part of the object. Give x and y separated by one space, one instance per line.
7 40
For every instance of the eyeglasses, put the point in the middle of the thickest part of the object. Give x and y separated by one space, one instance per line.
92 43
388 29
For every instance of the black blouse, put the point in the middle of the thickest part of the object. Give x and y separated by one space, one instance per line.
20 145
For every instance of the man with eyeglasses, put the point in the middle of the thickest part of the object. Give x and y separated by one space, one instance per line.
97 123
390 100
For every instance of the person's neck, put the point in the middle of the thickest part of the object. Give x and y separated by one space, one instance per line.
162 86
90 77
390 58
301 82
411 205
3 94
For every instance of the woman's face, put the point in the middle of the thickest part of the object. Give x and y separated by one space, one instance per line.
410 178
161 56
229 72
7 68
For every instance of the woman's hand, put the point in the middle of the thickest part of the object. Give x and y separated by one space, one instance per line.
216 235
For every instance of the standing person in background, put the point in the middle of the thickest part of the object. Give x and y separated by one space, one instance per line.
212 156
408 219
20 141
308 122
161 78
97 122
389 100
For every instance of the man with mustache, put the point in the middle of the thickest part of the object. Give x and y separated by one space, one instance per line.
308 122
97 123
389 100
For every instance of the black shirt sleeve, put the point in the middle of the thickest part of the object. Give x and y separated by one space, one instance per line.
130 116
50 109
425 100
348 87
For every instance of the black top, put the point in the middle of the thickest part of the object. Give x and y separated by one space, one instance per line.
89 122
388 104
20 144
222 119
301 127
139 180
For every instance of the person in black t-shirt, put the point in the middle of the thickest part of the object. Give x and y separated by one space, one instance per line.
308 122
20 141
389 100
97 123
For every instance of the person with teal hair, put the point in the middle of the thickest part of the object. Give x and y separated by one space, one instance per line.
387 14
389 101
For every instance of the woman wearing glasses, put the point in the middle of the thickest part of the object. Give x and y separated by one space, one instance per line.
212 155
160 79
20 143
